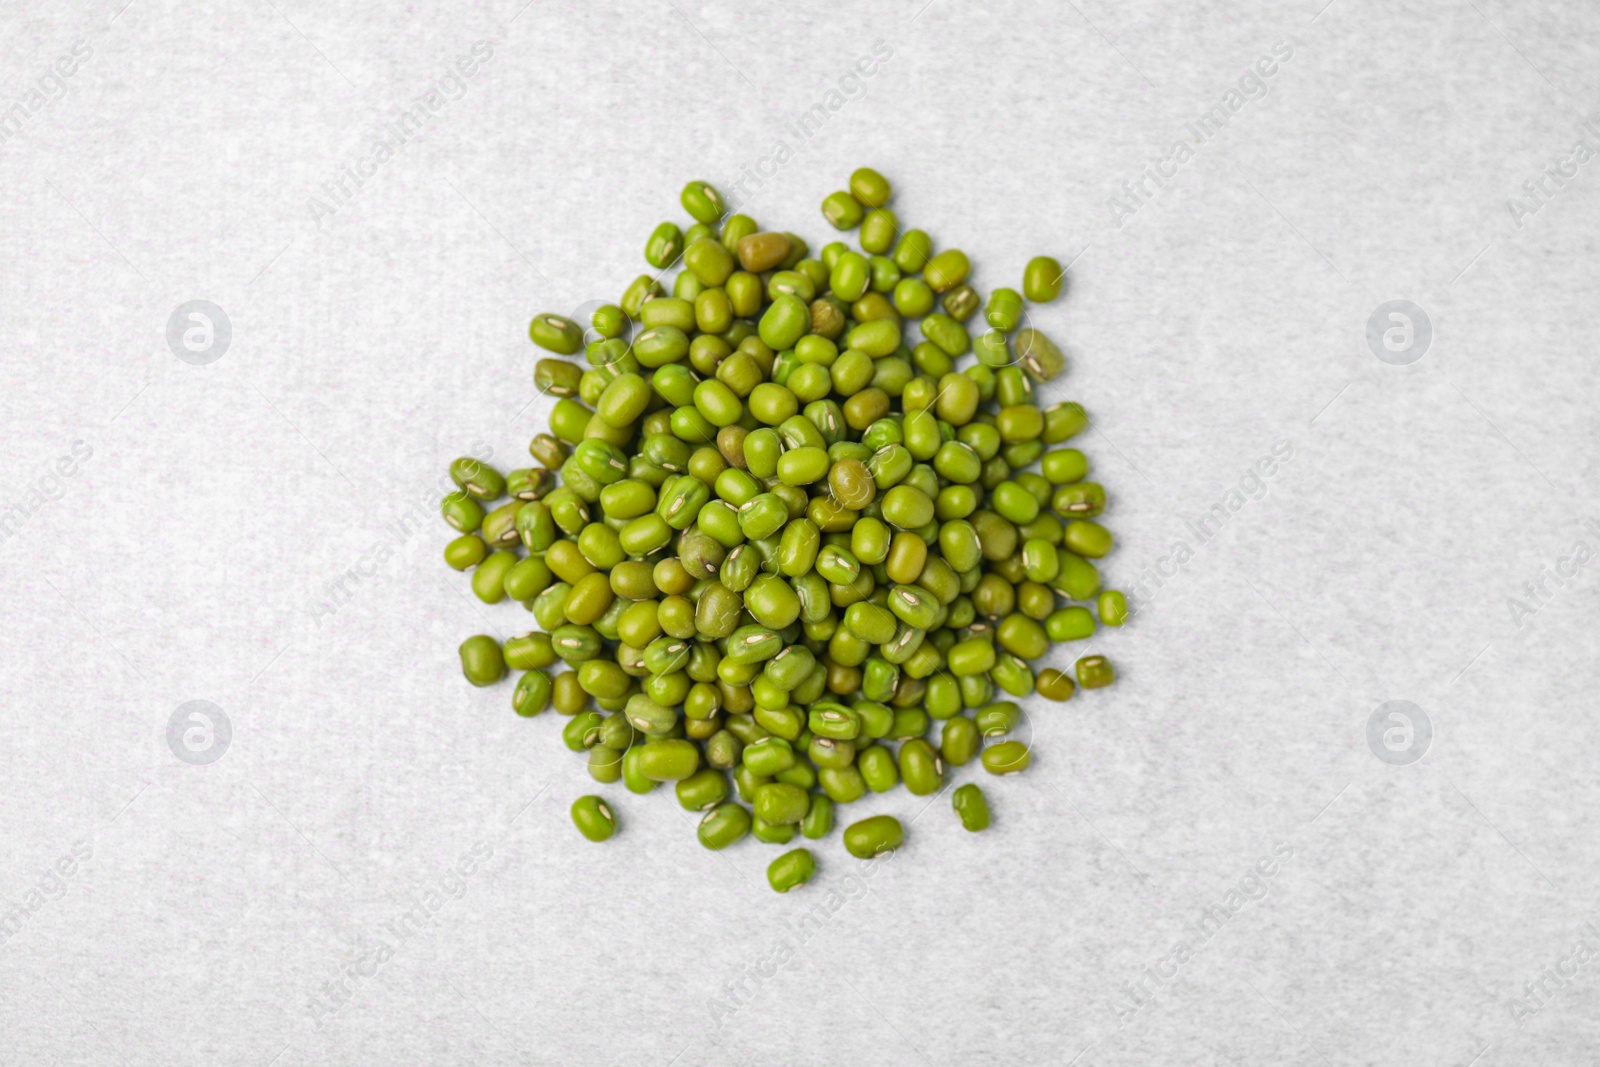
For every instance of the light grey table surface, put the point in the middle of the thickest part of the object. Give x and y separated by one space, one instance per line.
1423 540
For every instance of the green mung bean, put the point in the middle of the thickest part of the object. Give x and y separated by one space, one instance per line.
593 818
1007 757
723 826
873 836
971 807
1041 279
1112 607
1095 672
791 869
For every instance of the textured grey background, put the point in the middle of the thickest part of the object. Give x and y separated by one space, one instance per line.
242 912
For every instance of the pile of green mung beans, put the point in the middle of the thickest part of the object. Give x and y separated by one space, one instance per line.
768 532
